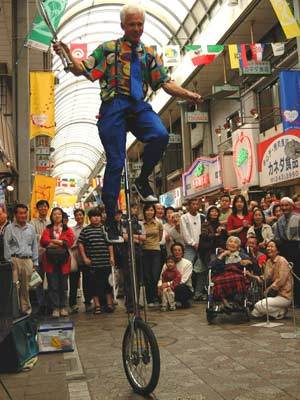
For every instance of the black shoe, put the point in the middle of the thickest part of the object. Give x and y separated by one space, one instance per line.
112 234
145 191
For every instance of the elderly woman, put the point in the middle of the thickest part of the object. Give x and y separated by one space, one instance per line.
279 283
229 280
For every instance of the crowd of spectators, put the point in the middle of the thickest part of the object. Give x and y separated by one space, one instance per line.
173 250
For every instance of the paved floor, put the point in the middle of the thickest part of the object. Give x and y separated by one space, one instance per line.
228 360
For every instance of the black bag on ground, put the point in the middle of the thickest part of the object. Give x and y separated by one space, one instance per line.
6 290
19 346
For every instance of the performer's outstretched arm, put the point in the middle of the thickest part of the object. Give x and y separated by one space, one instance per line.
77 68
177 91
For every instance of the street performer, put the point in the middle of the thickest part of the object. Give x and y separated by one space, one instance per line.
126 68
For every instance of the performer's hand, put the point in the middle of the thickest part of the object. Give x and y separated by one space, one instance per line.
59 47
195 98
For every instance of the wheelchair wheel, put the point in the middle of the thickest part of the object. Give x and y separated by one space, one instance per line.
141 359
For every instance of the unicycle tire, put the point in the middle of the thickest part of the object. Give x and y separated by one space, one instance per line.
140 349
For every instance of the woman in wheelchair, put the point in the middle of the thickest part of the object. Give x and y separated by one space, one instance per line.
229 283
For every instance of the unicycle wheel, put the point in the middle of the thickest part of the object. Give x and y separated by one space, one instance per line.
141 359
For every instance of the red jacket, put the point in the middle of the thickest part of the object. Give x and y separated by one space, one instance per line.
172 276
68 237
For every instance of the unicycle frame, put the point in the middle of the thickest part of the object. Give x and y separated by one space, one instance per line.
131 245
144 334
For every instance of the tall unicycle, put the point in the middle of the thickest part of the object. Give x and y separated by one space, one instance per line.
140 351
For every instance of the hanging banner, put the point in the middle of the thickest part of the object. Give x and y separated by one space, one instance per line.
279 158
290 99
234 56
42 120
204 54
285 17
65 200
79 51
40 37
203 176
257 50
278 48
43 189
244 155
66 182
171 55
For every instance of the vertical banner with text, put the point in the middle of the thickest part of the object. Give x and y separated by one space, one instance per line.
290 99
43 189
285 16
42 120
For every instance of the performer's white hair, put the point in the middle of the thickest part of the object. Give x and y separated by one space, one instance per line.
131 8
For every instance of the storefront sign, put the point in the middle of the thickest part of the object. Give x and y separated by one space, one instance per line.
42 151
197 117
42 164
244 156
173 198
253 68
279 158
203 176
174 138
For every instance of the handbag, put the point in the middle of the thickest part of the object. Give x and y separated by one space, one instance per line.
35 280
57 255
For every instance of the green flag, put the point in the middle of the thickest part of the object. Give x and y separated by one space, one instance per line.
40 36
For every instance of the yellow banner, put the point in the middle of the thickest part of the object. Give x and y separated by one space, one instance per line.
287 21
43 189
233 56
65 200
42 121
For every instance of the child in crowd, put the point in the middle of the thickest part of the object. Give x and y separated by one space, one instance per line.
170 278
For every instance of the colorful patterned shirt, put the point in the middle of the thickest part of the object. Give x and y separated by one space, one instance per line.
101 64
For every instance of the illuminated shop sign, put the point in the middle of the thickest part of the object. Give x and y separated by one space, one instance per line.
279 158
245 157
203 176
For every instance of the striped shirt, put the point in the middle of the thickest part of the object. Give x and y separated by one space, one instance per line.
95 245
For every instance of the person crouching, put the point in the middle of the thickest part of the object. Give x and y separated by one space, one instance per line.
170 279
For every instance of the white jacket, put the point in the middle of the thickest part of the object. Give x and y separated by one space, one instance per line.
266 232
190 231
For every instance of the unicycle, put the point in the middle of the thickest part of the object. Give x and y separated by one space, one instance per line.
140 351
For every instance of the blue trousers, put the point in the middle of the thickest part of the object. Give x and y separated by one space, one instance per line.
117 117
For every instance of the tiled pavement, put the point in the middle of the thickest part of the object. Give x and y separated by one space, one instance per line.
228 360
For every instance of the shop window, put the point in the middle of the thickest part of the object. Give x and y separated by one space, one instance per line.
198 151
269 112
233 122
172 159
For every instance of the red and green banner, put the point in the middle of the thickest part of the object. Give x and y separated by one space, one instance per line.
204 54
